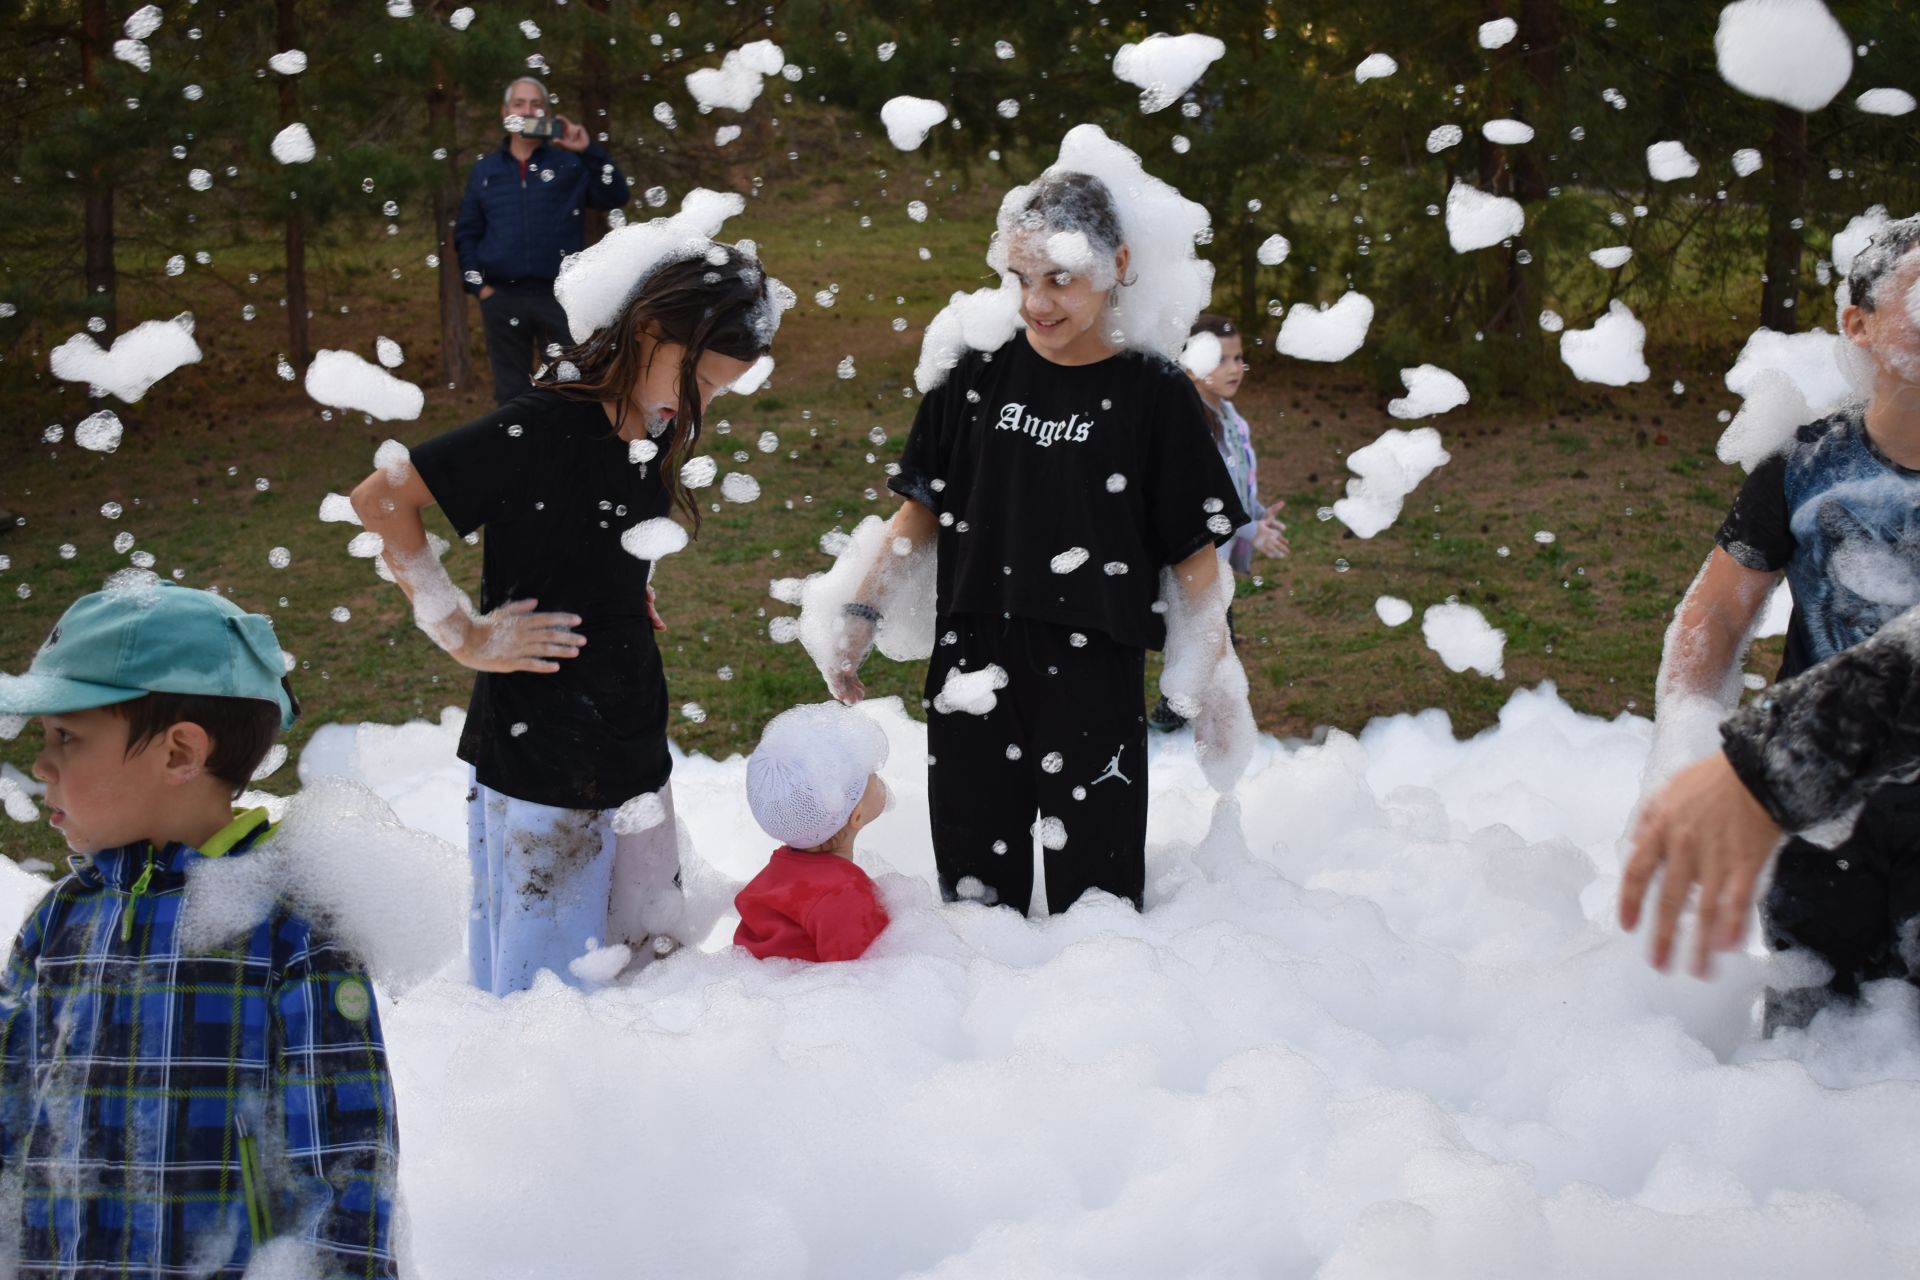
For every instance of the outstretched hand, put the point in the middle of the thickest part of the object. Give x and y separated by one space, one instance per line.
1703 829
515 638
653 614
1270 537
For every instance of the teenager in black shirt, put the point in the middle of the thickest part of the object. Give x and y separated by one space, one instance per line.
568 719
1056 476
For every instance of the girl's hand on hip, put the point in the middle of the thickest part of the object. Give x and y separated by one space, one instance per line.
515 638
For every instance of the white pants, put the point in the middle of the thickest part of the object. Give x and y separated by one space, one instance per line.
546 881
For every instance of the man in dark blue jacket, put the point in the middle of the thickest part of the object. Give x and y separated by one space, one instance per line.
520 216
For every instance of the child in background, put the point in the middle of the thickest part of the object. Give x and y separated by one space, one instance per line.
813 783
166 1109
1234 439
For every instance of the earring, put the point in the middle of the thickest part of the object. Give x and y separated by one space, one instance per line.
1113 296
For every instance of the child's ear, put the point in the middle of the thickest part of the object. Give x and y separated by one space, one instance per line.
187 747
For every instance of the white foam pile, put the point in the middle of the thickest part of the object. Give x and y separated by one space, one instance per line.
346 380
1273 250
288 62
908 119
1392 1033
1168 282
1609 352
1670 162
1476 220
1464 639
1375 66
1444 136
1164 67
293 145
1786 51
1747 162
1385 472
1392 610
1430 390
1611 258
735 84
1325 334
137 359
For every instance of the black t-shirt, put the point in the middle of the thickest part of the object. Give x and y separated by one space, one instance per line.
554 489
1843 521
1062 490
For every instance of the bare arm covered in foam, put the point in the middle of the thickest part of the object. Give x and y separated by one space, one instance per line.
1699 677
510 638
910 534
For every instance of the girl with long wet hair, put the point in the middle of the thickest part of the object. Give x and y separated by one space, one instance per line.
570 819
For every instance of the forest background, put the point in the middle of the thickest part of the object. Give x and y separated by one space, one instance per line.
133 192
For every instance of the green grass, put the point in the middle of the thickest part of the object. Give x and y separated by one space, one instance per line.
1585 611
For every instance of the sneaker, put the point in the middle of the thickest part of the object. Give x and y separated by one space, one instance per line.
1164 719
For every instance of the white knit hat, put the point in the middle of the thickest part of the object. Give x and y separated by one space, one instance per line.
807 775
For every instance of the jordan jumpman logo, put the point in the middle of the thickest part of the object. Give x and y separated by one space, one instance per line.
1113 769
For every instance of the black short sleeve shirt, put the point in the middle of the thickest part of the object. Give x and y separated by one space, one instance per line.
553 489
1063 490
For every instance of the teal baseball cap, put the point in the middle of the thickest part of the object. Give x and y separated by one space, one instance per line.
142 635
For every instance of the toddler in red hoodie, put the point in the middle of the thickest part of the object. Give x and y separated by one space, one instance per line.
812 784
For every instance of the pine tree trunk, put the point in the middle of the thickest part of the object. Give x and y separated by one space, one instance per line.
1786 206
456 352
299 346
96 40
596 98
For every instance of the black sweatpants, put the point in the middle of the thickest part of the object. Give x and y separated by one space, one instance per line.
521 318
1856 906
1062 754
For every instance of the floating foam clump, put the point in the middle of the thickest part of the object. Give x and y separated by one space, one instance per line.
1885 102
1507 133
1670 162
288 62
1787 51
346 381
1430 390
735 84
1464 639
1476 220
1375 66
1325 334
1385 472
1610 352
138 358
1164 67
1392 610
293 145
654 539
908 119
1498 33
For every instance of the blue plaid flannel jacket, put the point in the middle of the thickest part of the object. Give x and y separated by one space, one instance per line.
165 1114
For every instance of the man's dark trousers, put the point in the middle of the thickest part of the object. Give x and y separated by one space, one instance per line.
522 319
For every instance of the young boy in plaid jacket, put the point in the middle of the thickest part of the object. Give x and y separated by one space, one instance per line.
170 1103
